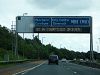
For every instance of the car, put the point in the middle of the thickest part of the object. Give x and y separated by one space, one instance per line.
63 60
53 59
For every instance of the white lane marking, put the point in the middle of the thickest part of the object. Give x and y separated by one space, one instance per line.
24 71
75 72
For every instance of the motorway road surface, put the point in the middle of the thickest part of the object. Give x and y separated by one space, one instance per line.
62 69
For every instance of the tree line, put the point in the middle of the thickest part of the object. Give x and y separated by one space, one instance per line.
34 49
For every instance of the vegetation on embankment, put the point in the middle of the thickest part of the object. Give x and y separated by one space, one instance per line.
34 49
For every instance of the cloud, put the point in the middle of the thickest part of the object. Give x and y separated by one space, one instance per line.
63 6
96 5
73 6
45 4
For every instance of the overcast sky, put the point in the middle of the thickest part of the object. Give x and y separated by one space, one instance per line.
9 9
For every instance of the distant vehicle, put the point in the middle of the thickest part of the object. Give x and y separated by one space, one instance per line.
53 59
81 59
63 60
74 59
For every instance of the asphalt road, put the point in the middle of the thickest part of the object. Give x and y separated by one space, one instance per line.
9 69
62 69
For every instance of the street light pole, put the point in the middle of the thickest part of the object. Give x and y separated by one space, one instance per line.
24 14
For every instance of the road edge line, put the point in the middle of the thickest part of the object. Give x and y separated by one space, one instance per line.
29 69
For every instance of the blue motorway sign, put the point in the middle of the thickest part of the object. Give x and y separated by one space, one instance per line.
74 24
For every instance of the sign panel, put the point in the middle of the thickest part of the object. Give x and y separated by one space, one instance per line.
62 21
24 24
62 29
53 24
62 24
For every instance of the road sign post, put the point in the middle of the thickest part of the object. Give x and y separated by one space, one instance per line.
91 45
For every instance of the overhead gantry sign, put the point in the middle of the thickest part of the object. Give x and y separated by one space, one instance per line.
53 24
56 24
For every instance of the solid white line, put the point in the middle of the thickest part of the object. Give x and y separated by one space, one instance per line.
24 71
